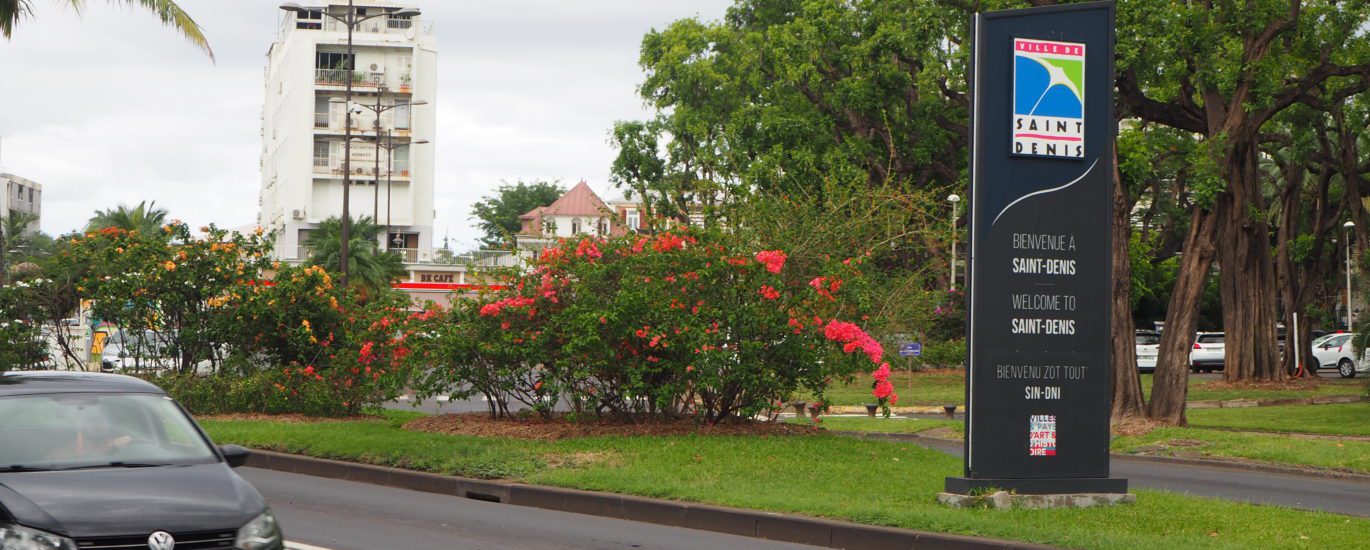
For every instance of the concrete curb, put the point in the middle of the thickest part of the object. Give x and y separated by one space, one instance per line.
720 519
1323 473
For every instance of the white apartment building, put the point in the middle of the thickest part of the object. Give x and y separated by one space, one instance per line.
20 196
303 120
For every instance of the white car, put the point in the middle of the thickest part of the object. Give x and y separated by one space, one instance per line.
1148 345
1336 351
128 352
1208 352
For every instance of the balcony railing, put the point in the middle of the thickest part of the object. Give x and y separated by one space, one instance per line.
338 77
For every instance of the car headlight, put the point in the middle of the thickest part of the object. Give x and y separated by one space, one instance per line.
18 537
262 532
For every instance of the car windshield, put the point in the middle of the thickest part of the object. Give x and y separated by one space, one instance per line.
1211 339
83 430
1148 339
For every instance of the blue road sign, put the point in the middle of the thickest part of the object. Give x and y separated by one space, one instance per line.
911 349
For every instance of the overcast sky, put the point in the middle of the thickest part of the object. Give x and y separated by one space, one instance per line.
110 107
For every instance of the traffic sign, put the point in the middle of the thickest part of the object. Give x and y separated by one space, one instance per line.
911 349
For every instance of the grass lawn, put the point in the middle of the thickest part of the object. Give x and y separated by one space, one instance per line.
945 387
820 475
939 387
892 425
1326 386
1282 449
1336 419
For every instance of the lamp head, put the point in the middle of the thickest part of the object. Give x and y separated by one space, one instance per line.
419 102
419 142
1349 224
953 198
293 7
405 12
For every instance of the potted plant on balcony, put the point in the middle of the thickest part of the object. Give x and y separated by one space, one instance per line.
404 82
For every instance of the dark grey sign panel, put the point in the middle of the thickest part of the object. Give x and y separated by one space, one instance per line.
1038 385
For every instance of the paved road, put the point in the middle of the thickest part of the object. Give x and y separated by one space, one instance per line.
1309 493
343 515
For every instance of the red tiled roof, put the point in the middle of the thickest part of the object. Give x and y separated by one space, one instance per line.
579 201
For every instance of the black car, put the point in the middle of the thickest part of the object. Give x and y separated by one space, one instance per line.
101 461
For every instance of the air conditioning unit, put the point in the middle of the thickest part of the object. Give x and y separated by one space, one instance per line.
377 68
297 214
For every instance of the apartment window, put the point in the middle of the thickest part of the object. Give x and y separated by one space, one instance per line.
402 114
333 60
575 226
321 153
310 20
321 112
400 160
603 226
632 219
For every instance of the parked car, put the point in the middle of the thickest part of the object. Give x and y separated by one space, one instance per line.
133 351
1207 355
100 461
1337 351
1148 344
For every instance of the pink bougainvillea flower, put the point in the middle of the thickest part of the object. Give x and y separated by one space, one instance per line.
587 249
769 292
774 260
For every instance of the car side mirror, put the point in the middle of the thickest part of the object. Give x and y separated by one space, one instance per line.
234 455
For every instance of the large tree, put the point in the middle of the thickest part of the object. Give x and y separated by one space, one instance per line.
498 215
1222 71
171 15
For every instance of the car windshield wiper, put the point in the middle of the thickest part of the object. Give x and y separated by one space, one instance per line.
23 468
119 464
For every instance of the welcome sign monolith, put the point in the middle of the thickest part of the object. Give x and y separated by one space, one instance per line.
1042 126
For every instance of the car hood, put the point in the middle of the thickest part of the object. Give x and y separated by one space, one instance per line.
130 501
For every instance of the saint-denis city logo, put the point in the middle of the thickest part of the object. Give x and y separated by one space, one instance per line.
1048 98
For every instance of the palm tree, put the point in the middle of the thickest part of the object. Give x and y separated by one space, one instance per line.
11 11
146 218
367 266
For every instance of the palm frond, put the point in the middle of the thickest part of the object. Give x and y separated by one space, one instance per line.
171 15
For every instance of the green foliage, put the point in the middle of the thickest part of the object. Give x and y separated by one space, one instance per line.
22 345
498 215
368 268
145 218
705 324
168 282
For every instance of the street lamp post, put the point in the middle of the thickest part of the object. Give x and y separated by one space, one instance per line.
377 110
953 199
1350 324
390 146
349 20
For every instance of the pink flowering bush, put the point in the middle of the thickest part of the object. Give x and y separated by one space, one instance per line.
681 323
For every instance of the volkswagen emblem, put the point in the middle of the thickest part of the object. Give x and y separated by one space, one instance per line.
161 540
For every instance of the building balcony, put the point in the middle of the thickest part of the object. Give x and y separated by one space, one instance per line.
338 77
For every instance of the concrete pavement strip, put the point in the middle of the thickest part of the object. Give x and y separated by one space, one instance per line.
301 546
721 519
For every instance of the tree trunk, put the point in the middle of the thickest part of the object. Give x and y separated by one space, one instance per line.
1127 381
1171 386
1247 270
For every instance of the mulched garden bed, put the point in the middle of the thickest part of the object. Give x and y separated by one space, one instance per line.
480 424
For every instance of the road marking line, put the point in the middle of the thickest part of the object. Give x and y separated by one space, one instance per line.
302 546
